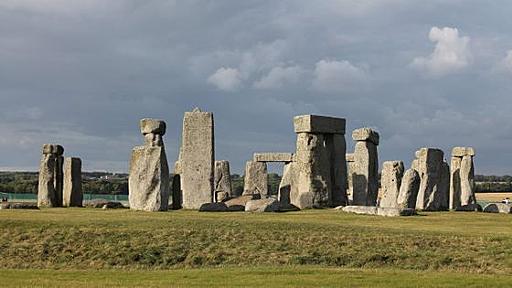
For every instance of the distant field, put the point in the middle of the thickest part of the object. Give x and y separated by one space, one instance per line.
97 248
493 197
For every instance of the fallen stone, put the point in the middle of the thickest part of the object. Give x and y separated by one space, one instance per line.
379 211
18 205
498 208
470 208
238 203
366 134
103 203
273 157
262 205
213 207
368 210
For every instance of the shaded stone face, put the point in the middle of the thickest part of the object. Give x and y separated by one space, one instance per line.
148 183
467 181
50 176
197 159
255 181
222 180
391 179
72 191
364 174
409 189
433 194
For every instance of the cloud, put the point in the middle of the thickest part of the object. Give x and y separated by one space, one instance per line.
226 79
279 76
505 65
337 76
450 55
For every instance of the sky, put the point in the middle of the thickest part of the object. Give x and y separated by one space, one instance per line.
422 73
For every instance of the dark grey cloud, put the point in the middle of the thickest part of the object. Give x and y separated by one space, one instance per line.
83 73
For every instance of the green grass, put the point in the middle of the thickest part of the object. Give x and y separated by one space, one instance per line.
321 247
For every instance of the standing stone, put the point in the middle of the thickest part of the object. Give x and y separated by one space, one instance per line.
462 186
365 168
50 177
350 184
409 189
467 181
435 175
148 183
391 179
222 180
72 193
197 159
319 162
255 181
287 184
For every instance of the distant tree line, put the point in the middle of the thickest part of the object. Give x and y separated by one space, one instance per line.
109 183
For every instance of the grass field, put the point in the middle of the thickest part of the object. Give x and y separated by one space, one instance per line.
96 248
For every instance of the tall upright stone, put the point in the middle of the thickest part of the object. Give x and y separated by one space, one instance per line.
319 162
365 167
148 183
434 174
462 187
391 181
72 188
350 168
197 159
255 180
409 189
50 177
222 180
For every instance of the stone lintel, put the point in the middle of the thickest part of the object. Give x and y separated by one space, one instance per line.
366 134
463 151
319 124
273 157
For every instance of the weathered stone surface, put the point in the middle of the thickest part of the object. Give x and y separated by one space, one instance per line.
149 179
467 181
312 162
433 194
409 189
50 176
197 159
463 151
273 157
153 126
366 134
379 211
364 174
319 124
222 180
72 191
262 205
287 184
46 195
337 148
391 179
470 208
213 207
498 208
255 181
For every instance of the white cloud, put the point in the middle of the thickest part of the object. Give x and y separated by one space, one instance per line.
336 76
279 76
227 79
451 53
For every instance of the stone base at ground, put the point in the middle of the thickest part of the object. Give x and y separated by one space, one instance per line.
498 208
214 207
102 203
470 208
238 203
379 211
262 205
